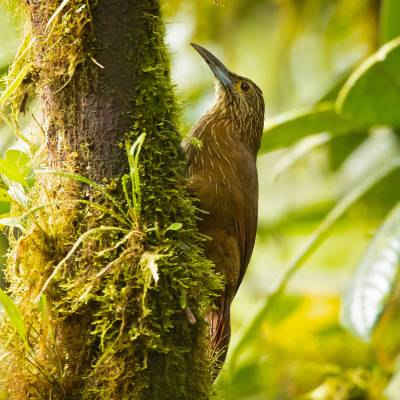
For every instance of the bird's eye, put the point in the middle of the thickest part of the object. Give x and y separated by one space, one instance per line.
244 86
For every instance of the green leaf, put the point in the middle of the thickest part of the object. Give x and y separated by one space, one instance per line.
11 172
15 316
332 94
133 152
183 299
285 130
44 309
389 25
374 279
20 160
4 208
4 196
174 227
371 96
13 86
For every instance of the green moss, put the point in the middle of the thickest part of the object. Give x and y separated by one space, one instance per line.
116 326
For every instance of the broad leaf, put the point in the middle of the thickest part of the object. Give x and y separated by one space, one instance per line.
4 208
4 196
11 172
389 25
371 96
374 279
21 162
285 130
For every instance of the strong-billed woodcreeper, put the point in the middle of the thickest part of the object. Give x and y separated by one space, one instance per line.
221 151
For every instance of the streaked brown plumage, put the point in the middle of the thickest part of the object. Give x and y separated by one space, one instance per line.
221 151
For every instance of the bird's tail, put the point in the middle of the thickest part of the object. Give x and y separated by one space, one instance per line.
220 334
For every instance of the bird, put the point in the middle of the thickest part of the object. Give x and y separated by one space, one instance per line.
221 150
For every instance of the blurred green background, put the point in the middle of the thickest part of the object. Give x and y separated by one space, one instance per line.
301 53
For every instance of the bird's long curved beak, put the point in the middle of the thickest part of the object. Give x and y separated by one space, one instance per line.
219 70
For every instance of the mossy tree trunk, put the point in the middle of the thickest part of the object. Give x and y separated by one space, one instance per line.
109 274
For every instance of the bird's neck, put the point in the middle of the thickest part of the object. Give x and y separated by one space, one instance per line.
225 125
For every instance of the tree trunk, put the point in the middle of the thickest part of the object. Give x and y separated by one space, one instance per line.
109 273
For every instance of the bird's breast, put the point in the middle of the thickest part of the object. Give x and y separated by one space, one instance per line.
224 179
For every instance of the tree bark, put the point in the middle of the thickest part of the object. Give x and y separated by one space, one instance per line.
109 269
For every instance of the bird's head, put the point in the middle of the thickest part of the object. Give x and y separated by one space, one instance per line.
236 94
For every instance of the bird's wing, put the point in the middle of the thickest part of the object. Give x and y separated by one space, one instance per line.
224 251
245 213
